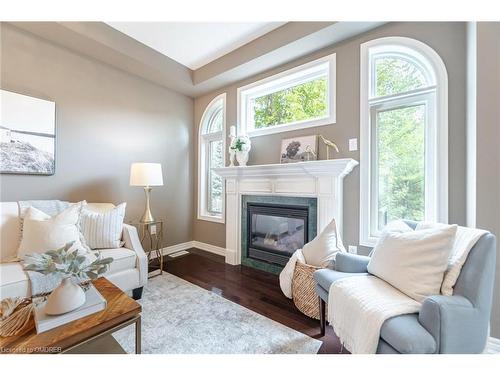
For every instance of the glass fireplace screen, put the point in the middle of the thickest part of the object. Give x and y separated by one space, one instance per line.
276 231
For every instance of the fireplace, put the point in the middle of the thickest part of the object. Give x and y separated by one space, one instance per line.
317 184
274 227
275 231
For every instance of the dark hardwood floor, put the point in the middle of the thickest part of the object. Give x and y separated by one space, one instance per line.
256 290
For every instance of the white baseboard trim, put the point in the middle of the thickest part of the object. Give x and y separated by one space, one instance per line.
190 244
174 248
210 248
231 257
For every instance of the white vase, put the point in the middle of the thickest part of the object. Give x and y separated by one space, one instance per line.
66 297
242 157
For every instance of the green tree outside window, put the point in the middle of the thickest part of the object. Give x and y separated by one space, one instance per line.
302 102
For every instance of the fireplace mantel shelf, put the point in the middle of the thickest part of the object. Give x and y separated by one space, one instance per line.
317 168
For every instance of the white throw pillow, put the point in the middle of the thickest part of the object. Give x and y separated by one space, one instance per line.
465 239
42 232
413 262
321 251
103 230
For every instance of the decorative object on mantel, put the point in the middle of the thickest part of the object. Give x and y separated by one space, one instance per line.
242 146
328 144
232 151
70 263
27 134
146 175
298 149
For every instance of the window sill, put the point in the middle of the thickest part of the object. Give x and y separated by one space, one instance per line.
290 127
368 241
214 219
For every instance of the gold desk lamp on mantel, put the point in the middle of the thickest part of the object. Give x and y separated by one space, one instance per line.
146 175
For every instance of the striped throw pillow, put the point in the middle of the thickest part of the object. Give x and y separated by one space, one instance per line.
103 230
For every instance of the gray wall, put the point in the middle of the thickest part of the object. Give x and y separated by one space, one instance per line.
487 148
448 39
106 119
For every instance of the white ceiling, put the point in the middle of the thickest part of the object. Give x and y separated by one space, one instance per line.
194 44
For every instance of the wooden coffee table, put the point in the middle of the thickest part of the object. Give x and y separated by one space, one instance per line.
121 311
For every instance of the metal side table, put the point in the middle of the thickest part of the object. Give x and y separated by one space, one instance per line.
151 236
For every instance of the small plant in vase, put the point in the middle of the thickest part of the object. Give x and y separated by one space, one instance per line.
71 264
241 145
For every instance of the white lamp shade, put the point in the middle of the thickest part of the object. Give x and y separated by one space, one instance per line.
146 174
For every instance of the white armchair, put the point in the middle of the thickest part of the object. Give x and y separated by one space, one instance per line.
132 242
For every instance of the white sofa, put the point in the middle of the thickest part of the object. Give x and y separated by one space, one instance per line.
128 271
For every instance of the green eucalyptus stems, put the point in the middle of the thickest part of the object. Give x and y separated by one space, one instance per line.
68 261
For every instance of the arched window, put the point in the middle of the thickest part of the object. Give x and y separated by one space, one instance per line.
211 153
404 135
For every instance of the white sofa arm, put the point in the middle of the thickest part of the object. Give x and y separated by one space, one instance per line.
132 242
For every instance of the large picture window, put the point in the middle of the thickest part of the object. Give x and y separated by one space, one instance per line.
212 155
404 135
297 98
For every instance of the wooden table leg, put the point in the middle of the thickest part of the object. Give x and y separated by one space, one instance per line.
322 317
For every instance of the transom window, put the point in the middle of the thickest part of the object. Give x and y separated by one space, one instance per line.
396 73
297 98
212 155
403 135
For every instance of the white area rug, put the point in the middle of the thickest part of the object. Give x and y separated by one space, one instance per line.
180 317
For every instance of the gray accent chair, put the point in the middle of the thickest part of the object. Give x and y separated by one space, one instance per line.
445 324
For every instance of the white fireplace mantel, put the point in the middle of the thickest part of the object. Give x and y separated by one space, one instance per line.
322 179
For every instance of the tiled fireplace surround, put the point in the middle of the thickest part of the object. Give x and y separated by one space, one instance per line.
321 179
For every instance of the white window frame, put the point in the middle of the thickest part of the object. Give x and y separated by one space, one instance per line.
435 97
281 81
203 160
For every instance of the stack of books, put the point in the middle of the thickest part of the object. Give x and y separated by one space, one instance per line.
94 302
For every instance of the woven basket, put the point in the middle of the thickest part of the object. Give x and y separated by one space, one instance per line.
303 290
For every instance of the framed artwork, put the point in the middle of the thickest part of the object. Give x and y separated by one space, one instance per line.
27 134
298 149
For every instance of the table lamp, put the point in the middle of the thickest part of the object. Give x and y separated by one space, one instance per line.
146 175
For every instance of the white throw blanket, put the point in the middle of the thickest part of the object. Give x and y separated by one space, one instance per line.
286 276
465 240
50 207
358 306
41 284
